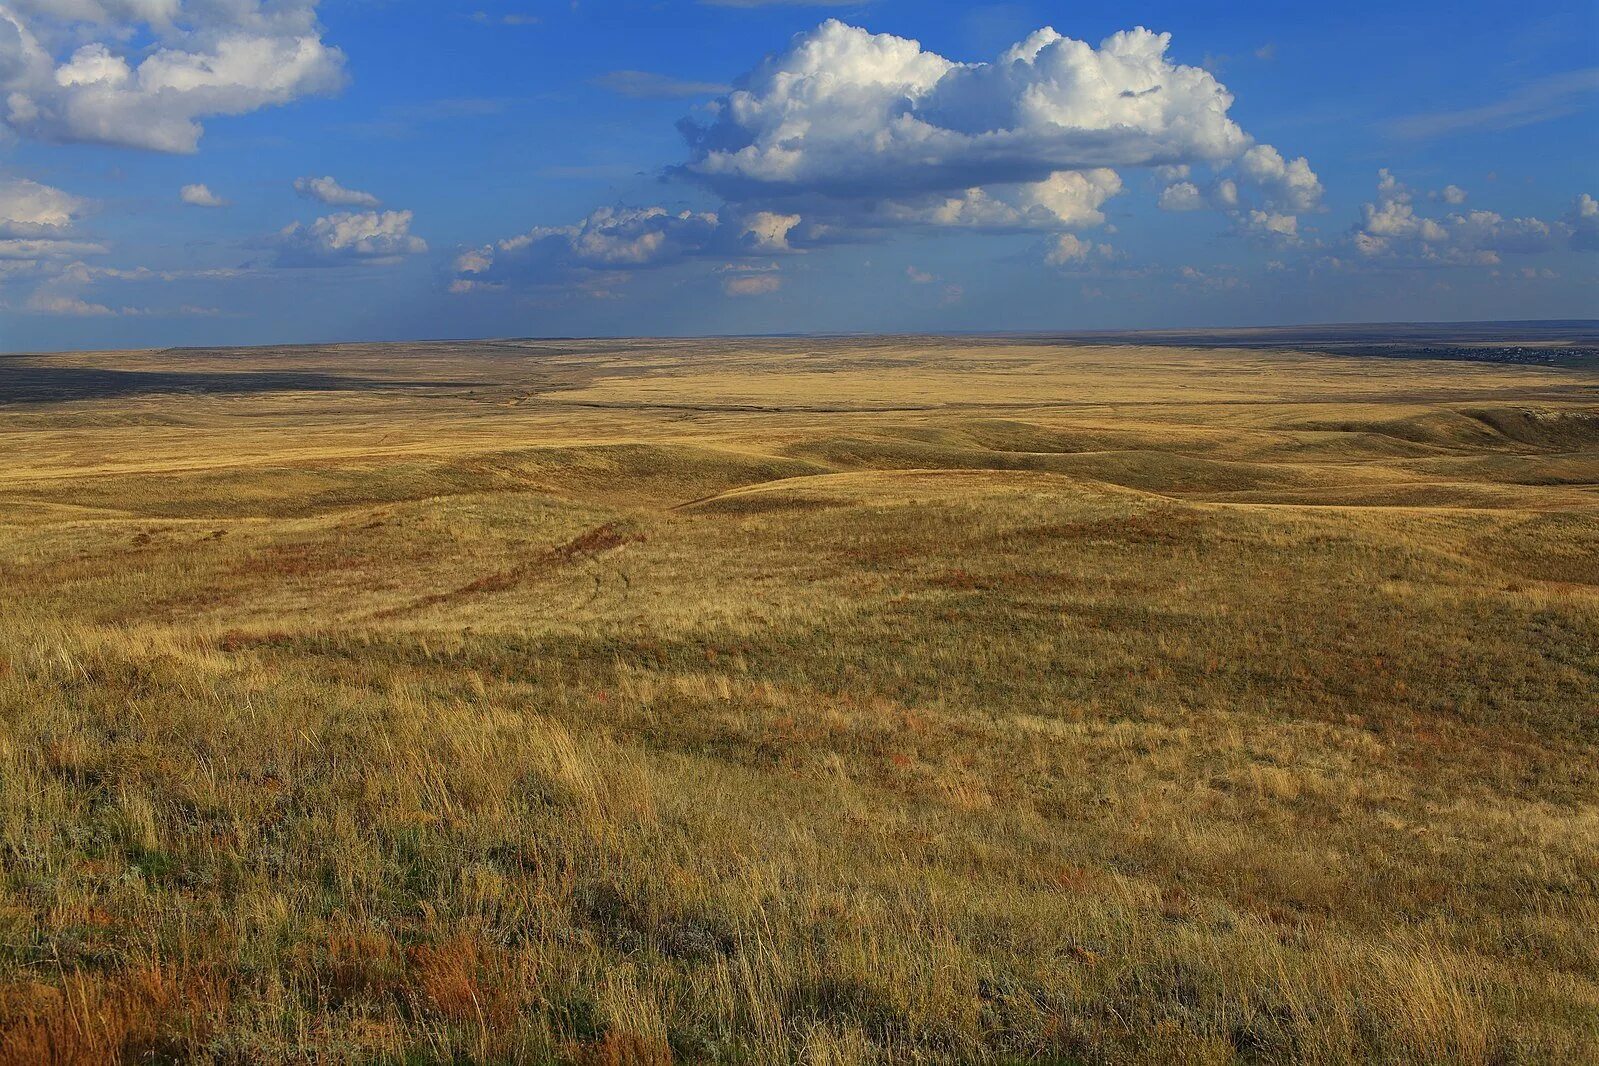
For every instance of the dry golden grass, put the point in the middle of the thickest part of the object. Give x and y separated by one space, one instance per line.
797 701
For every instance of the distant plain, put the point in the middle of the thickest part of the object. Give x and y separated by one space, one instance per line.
818 700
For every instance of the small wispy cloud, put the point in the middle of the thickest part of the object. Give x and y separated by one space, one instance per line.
752 284
589 171
784 3
402 121
1217 62
450 107
199 195
1547 98
487 19
644 85
330 192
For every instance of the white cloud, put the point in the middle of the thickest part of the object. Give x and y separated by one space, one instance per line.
1182 196
475 261
613 238
752 284
1068 249
920 277
848 135
84 273
47 303
1392 229
29 209
1583 219
1190 278
1068 199
625 237
767 231
1272 224
46 248
200 196
1289 185
102 12
349 236
152 69
330 192
1453 194
1263 194
36 237
861 129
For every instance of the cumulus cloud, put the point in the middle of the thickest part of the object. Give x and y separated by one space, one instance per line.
767 231
1583 219
752 284
1392 229
65 282
1182 196
38 245
47 303
1272 224
626 237
1069 249
610 238
848 135
200 196
328 191
349 236
1069 199
850 112
1263 193
29 209
859 133
151 70
1290 185
37 240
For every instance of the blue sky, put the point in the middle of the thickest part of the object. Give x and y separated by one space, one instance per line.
255 171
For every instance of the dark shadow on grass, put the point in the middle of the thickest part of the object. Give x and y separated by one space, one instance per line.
26 383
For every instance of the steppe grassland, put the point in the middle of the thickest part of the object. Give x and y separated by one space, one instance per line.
799 701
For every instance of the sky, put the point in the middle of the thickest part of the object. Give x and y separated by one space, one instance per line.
194 172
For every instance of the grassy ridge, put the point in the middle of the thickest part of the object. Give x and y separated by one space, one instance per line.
799 701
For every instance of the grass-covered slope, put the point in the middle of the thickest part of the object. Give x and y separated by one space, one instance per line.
800 702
